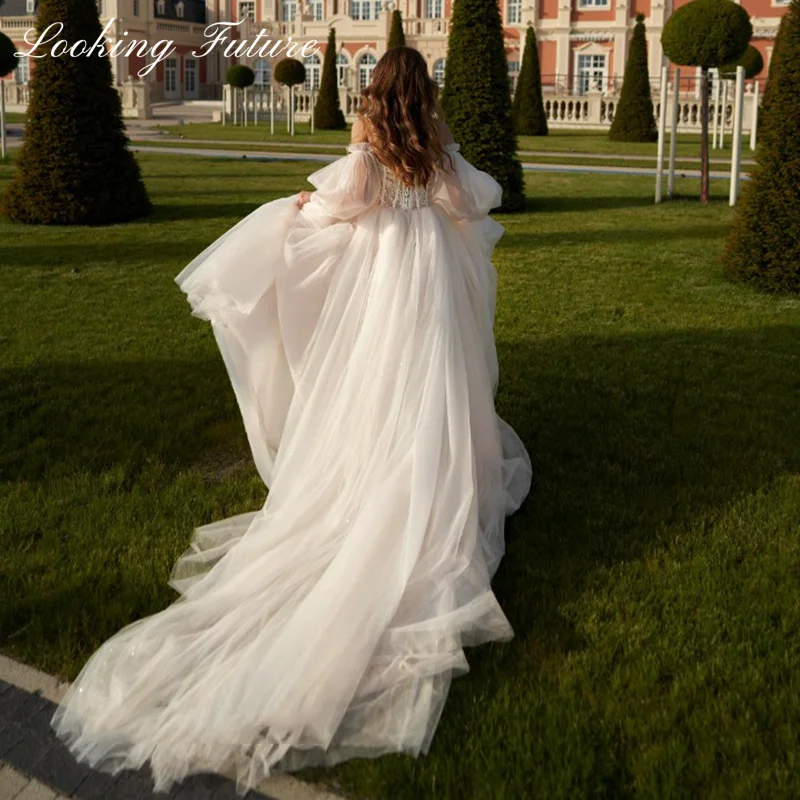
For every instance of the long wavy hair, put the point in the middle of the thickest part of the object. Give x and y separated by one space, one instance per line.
401 114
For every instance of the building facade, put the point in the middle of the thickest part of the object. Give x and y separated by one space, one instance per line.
582 43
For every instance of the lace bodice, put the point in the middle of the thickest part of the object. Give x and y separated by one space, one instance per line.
394 193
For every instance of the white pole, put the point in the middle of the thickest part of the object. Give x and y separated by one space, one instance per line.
256 98
312 112
2 121
271 109
244 104
715 121
754 121
736 152
224 101
288 112
235 104
673 136
662 130
724 114
291 106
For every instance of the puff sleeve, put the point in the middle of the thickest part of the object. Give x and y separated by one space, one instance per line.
465 192
347 187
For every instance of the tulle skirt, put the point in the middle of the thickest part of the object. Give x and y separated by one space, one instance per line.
329 623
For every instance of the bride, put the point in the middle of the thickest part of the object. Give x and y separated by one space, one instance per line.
355 323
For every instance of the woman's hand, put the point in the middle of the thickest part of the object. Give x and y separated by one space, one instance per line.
303 198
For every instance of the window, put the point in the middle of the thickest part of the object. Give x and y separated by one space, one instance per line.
592 3
22 74
366 65
515 11
311 64
262 72
433 9
100 9
247 10
342 68
30 6
190 76
365 9
161 7
288 10
513 74
179 9
438 71
591 73
135 8
316 8
171 76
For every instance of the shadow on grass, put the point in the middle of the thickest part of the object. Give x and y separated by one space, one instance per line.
630 437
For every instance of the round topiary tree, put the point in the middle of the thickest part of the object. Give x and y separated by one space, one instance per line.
634 119
752 61
74 167
290 72
327 110
764 244
397 37
239 77
8 63
706 34
477 99
528 107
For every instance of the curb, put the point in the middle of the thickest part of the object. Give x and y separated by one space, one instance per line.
52 689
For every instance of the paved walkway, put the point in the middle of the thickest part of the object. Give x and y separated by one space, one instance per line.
36 765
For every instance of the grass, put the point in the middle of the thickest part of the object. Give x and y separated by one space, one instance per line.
652 577
561 141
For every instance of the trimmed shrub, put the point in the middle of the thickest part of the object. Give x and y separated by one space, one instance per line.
705 34
327 111
634 120
8 61
397 37
74 167
290 72
764 243
477 99
240 76
752 61
528 107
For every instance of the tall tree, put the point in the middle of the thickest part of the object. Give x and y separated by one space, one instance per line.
397 37
477 97
528 109
706 34
634 119
327 110
74 167
764 243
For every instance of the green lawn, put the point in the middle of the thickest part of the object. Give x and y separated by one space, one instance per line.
562 141
652 578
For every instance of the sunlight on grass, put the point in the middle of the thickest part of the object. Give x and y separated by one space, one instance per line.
651 577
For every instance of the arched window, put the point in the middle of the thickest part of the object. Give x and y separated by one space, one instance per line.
262 72
342 66
311 64
438 71
366 65
22 74
288 10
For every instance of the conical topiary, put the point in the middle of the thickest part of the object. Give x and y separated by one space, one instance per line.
764 243
74 167
477 99
327 110
528 108
397 37
634 120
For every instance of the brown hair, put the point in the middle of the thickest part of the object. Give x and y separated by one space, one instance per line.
402 116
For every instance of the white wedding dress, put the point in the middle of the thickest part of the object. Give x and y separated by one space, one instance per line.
327 625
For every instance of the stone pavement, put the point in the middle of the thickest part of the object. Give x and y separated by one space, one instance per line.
36 765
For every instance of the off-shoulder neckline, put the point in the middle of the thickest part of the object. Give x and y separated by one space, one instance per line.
452 146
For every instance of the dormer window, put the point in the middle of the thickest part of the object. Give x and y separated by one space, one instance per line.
161 7
30 6
179 9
